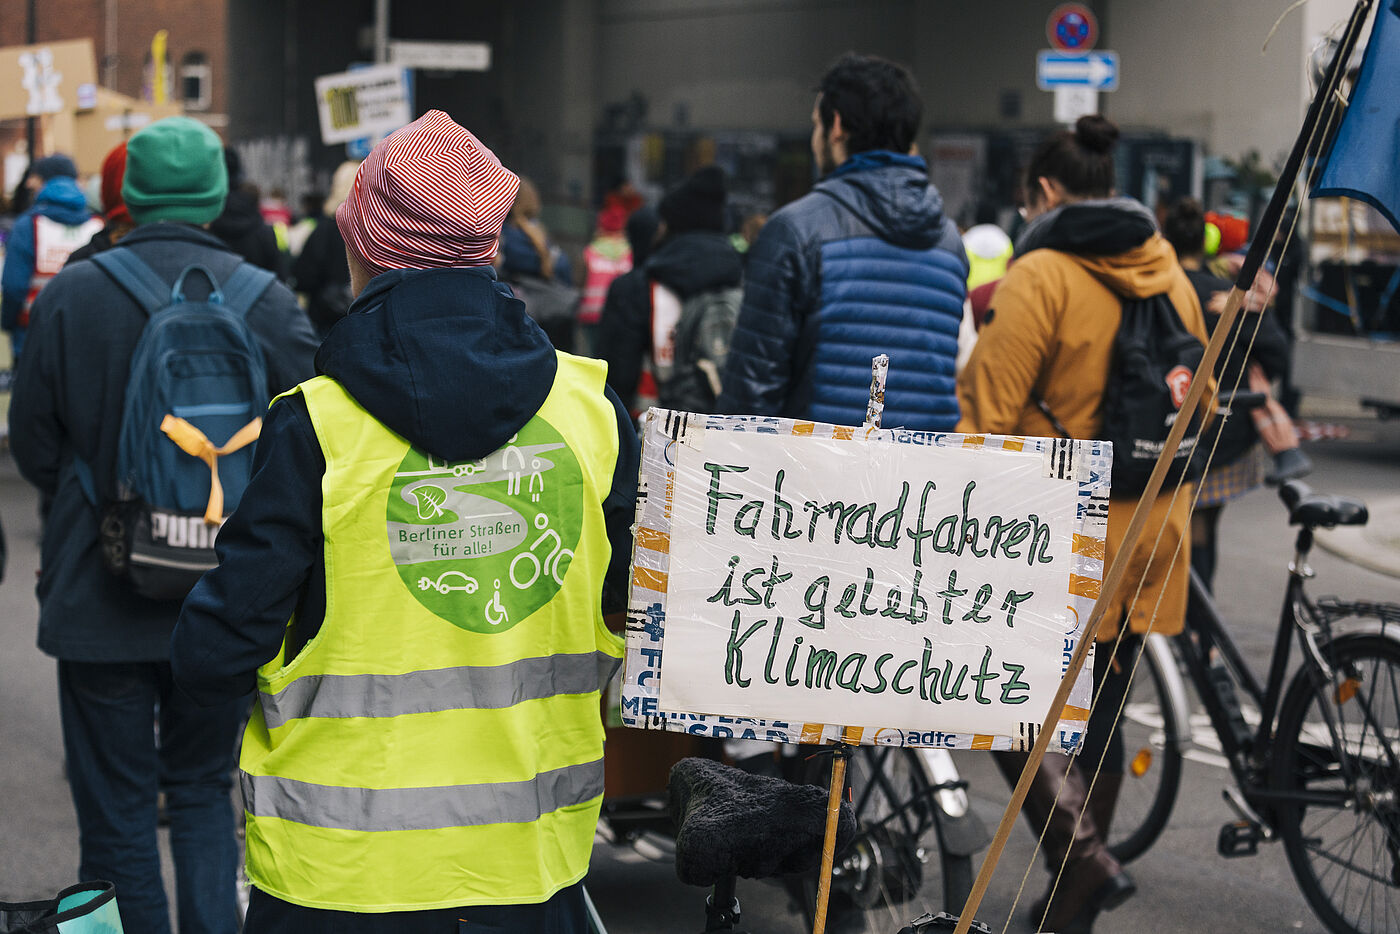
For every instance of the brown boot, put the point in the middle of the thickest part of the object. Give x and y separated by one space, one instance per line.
1092 880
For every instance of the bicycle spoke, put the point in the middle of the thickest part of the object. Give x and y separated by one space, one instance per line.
1339 739
881 757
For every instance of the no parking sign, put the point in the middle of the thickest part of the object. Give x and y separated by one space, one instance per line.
1072 27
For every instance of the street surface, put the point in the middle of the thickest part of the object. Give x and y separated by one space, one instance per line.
1183 885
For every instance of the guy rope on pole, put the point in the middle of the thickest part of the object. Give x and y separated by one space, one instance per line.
1269 225
874 410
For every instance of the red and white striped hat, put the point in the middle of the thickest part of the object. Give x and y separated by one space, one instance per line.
430 195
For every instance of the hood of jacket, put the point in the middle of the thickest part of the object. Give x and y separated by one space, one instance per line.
446 358
1114 239
694 262
892 194
62 200
240 216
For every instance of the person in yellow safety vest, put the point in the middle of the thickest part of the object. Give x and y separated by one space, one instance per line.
988 253
415 583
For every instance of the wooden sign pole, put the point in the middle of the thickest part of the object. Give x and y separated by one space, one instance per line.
833 818
874 410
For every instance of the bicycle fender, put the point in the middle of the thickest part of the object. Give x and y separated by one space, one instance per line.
960 831
964 835
1161 656
1350 627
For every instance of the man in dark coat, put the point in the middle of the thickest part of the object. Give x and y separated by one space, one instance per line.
112 646
693 256
241 225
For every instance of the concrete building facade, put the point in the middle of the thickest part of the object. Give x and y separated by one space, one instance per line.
578 87
565 70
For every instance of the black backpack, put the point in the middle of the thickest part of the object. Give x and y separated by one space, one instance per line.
1154 357
691 383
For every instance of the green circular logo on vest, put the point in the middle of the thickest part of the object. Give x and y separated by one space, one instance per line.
483 544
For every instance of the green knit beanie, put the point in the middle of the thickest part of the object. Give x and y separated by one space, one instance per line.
175 172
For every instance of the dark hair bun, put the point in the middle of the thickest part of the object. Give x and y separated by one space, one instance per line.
1096 133
1188 211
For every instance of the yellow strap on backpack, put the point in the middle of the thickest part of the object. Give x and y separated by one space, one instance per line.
194 443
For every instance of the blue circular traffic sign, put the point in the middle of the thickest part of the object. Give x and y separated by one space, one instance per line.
1072 27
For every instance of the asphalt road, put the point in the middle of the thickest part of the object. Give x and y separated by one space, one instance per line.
1183 885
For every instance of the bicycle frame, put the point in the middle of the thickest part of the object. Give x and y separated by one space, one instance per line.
1249 751
1206 636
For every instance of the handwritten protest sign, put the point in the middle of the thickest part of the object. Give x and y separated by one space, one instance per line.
922 588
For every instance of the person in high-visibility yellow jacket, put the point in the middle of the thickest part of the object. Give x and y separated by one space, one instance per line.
415 582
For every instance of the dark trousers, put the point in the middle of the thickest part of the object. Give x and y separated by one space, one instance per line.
117 764
1111 678
564 913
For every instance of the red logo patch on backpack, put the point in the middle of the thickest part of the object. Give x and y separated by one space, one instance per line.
1178 381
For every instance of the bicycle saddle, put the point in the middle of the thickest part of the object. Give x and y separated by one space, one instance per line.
1315 510
731 823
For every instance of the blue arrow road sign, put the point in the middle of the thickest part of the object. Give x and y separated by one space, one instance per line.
1097 70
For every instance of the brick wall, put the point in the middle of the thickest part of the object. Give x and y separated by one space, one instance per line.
193 26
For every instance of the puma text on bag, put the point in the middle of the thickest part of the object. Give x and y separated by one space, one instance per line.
194 404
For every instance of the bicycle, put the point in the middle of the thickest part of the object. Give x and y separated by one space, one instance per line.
1315 766
900 794
908 804
732 823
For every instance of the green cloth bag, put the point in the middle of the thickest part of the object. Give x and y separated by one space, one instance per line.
86 908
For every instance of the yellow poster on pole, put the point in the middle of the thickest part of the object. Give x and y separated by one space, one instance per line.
158 90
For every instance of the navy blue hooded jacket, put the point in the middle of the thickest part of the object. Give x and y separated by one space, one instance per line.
447 359
67 403
864 264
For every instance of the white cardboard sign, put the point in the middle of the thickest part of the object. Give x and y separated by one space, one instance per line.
793 578
366 102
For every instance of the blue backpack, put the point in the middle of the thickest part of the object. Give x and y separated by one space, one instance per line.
194 404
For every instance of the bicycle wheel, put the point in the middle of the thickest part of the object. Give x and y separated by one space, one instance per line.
1153 737
896 832
1337 755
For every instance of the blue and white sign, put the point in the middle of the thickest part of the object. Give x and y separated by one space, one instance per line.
1095 70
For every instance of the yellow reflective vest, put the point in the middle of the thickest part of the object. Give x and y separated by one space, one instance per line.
438 743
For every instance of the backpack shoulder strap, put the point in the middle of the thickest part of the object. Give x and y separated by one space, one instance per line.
245 286
149 290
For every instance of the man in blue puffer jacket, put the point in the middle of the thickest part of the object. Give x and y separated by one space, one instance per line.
864 264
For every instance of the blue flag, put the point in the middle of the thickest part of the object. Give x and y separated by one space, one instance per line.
1365 159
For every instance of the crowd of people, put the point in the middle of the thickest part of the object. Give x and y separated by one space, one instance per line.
423 317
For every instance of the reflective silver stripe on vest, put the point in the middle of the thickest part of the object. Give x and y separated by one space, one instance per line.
466 688
377 809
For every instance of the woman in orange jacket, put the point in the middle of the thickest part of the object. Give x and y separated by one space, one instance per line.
1043 358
